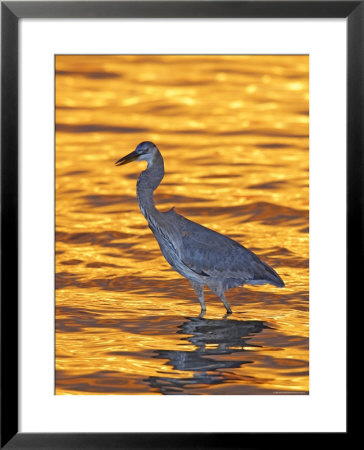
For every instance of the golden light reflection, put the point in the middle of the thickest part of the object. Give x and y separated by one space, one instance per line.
233 131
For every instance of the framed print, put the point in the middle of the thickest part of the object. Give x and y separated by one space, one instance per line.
249 128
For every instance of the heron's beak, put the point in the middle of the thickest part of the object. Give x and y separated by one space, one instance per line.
127 159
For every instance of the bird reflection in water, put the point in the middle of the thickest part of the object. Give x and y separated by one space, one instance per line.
213 339
203 256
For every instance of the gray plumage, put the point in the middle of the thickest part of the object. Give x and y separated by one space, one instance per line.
201 255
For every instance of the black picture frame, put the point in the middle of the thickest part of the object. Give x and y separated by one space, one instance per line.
11 13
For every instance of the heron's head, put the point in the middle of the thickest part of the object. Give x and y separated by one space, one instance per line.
145 151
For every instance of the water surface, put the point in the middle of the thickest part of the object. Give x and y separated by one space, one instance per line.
233 131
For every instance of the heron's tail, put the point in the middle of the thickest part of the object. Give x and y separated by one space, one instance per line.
273 277
279 282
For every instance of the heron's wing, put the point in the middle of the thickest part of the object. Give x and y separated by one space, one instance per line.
210 253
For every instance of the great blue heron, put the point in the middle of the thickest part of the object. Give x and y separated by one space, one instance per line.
201 255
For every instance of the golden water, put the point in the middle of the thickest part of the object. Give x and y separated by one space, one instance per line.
233 131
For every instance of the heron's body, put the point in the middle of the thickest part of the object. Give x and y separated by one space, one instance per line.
203 256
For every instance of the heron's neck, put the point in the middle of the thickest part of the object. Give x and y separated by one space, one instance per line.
148 182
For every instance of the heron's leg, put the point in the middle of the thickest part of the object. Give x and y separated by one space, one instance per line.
198 288
220 293
222 297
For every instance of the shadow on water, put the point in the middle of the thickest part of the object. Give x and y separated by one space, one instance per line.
214 340
218 347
